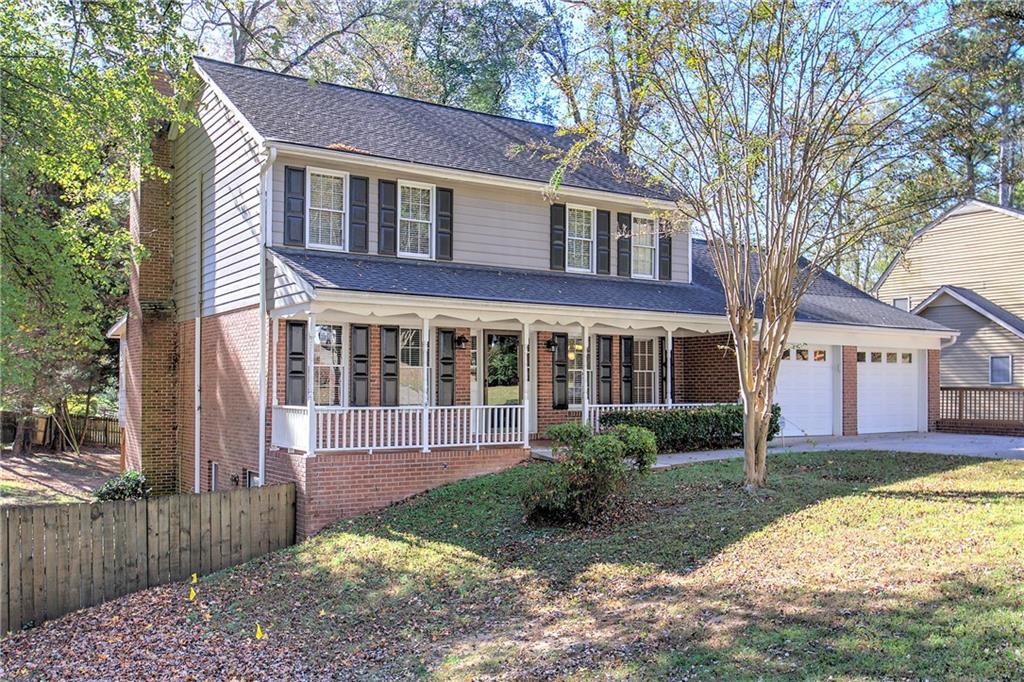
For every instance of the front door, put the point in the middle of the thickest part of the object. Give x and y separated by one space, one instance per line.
502 387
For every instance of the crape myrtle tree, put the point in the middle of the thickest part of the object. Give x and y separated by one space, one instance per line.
770 123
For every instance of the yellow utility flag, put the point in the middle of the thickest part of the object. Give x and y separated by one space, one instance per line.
191 594
195 578
259 632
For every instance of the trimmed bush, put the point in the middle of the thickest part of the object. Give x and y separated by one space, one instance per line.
568 436
638 444
703 428
131 485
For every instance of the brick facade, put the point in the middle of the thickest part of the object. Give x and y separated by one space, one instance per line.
849 371
547 415
708 369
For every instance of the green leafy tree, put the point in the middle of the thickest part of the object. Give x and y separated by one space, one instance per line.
79 108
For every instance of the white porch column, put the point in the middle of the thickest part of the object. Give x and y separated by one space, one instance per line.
524 354
425 349
310 406
586 378
668 368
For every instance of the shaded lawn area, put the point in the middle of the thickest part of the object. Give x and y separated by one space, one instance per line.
856 564
55 477
16 491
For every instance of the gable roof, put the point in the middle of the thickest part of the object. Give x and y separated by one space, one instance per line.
829 300
979 304
289 109
964 207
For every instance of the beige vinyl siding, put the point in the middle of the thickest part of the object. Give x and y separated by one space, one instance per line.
965 363
977 248
223 157
495 226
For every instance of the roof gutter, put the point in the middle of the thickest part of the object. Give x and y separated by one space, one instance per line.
465 176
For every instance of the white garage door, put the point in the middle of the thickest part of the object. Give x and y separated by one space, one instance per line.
887 390
804 391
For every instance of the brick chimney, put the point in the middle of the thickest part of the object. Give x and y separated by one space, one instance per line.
151 333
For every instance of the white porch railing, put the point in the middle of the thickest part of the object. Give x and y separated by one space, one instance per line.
595 412
398 428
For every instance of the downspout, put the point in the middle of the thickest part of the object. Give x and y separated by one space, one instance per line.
197 349
266 180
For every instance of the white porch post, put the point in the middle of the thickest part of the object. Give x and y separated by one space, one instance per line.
425 349
668 368
586 377
310 406
525 359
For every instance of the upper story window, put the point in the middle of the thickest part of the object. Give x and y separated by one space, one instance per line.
326 208
645 246
1000 369
902 303
579 236
416 219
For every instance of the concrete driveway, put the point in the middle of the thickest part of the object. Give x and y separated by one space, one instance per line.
1002 447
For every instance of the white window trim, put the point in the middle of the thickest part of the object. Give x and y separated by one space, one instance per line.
902 298
346 369
433 220
1000 383
310 171
593 238
655 372
632 245
582 355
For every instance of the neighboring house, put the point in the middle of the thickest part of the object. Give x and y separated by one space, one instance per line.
382 298
966 271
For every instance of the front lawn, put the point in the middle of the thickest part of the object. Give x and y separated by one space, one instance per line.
855 564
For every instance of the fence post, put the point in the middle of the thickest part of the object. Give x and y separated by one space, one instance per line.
960 403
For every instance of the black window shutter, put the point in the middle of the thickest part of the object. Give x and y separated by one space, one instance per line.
665 256
604 242
360 365
443 245
624 251
388 366
359 214
295 206
663 365
387 222
295 364
560 372
604 370
445 367
558 236
626 367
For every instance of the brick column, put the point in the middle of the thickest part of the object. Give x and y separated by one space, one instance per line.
933 388
463 362
849 390
616 372
151 391
374 365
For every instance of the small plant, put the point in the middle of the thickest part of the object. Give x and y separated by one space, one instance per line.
131 485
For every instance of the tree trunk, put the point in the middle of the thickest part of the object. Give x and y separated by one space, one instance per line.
23 435
755 444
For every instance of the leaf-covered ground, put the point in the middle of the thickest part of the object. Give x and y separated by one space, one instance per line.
55 477
854 565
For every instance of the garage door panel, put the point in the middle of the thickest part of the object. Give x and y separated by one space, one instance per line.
804 391
887 390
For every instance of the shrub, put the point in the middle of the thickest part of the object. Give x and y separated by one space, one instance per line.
704 428
581 486
639 445
131 485
568 436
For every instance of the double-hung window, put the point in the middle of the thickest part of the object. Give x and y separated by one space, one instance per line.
644 371
645 246
579 237
1000 369
577 363
415 219
329 365
410 366
326 210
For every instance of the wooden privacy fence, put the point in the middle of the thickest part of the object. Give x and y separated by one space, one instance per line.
58 558
92 430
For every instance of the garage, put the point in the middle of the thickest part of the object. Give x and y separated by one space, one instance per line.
887 390
804 391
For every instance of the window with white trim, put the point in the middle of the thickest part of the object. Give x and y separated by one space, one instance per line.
576 367
579 238
415 219
329 365
903 303
645 246
644 371
1000 370
410 366
325 209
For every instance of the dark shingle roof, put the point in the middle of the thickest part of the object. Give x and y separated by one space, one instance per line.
290 109
830 300
991 309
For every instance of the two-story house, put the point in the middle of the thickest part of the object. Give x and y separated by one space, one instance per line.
965 271
372 295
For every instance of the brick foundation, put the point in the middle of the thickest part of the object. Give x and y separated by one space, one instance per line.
708 370
983 427
849 369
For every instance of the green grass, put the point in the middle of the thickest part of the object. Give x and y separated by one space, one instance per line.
853 565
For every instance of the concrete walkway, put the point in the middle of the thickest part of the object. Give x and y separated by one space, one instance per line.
1001 447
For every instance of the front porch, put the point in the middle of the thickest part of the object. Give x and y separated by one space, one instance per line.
384 378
